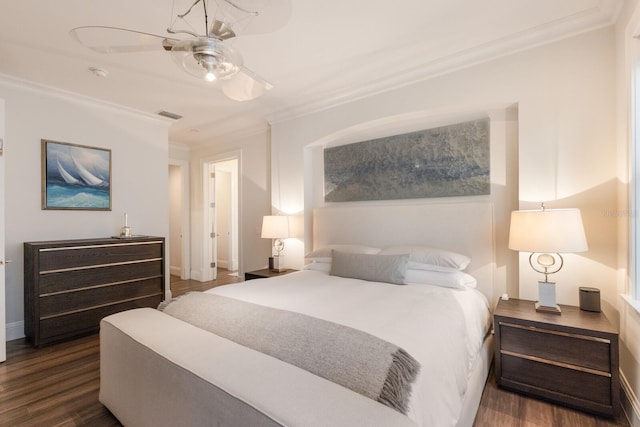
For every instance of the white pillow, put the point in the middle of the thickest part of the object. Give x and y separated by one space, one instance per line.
323 254
455 279
421 266
374 268
324 267
430 256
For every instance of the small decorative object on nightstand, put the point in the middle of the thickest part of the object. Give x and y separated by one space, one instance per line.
265 273
570 359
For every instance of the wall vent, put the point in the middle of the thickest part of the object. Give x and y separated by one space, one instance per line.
170 115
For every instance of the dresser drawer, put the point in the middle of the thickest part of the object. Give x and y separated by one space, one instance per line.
64 302
566 384
77 279
60 327
74 257
564 347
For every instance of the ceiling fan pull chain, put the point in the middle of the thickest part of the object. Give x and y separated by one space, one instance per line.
206 18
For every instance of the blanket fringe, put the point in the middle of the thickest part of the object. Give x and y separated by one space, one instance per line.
396 390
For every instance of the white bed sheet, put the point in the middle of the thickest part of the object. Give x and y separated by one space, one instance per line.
440 327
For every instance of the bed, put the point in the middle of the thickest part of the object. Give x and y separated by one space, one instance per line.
174 367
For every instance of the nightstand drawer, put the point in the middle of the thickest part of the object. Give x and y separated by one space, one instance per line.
563 347
564 384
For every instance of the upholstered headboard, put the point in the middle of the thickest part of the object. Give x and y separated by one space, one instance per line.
465 227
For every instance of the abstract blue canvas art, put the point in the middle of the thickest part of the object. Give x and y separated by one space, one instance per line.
445 161
75 176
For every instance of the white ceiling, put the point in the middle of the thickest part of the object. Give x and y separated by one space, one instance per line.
328 52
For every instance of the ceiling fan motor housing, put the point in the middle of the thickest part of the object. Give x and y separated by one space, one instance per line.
207 57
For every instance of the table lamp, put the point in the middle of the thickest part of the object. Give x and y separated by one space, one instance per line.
547 233
276 227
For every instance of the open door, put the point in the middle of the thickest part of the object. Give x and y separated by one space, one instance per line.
3 328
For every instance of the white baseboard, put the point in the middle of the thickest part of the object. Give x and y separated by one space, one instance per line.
630 402
15 331
175 270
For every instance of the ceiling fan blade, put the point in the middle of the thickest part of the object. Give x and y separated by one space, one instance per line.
252 16
103 39
244 86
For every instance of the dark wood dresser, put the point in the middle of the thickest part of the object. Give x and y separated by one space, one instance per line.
570 358
69 285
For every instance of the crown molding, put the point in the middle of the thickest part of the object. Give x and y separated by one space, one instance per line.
74 97
603 14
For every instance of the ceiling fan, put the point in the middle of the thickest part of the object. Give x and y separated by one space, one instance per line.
206 55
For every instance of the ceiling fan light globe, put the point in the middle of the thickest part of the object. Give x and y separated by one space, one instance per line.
203 57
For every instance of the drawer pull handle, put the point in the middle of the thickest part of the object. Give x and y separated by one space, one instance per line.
106 246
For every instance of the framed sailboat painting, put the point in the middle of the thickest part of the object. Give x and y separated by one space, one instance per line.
75 177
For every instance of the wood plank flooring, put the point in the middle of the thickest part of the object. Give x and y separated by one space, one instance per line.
58 386
502 408
179 286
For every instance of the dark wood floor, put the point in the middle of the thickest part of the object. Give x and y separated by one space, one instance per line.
58 386
501 408
179 286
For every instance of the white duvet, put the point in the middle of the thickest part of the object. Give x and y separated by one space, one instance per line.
442 328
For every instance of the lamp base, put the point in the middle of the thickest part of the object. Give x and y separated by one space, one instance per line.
546 309
278 260
547 298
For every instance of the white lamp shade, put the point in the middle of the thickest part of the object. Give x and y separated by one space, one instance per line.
275 227
547 231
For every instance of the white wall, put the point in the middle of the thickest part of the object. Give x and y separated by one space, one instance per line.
139 148
252 150
565 97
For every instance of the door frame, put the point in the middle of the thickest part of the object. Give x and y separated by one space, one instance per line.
206 272
3 302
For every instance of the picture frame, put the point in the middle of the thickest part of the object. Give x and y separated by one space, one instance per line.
75 177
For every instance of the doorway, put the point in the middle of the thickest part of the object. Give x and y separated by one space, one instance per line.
221 226
178 255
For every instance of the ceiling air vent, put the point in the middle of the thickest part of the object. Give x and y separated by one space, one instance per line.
170 115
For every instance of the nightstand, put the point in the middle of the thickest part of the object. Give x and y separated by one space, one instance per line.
265 273
570 358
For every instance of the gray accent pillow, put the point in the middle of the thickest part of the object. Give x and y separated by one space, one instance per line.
374 268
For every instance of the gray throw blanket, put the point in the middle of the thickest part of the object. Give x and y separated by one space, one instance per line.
354 359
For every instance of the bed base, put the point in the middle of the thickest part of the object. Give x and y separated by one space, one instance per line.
477 380
156 370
